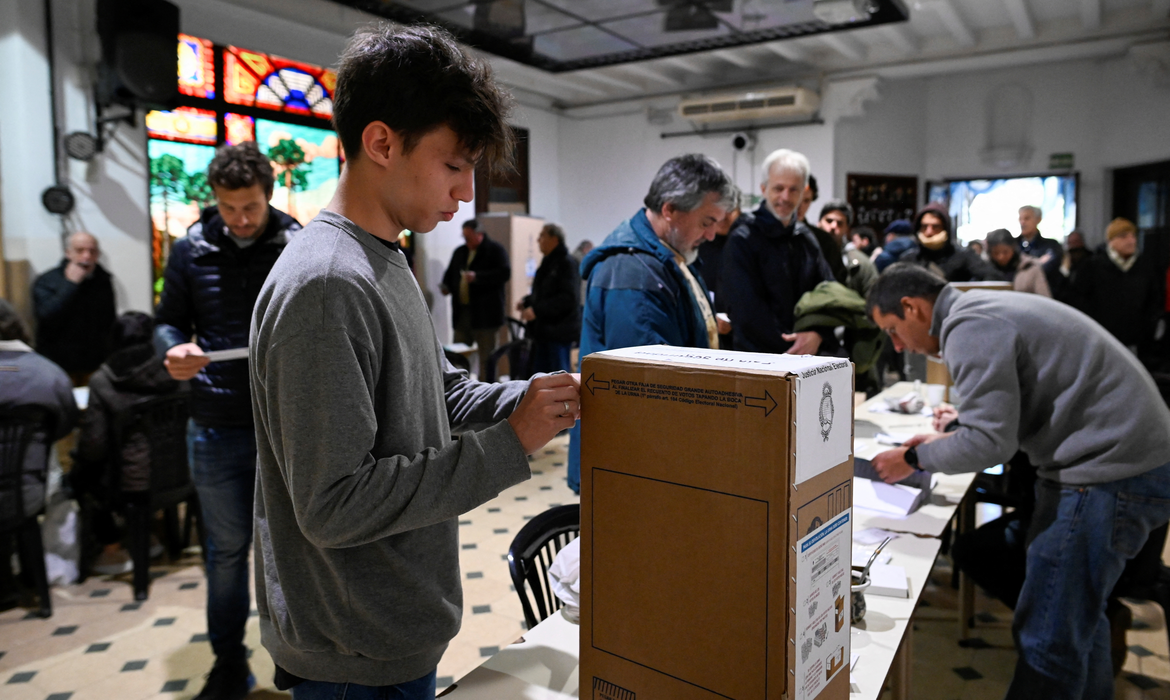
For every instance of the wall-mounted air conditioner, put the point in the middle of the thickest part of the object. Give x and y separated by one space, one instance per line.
779 104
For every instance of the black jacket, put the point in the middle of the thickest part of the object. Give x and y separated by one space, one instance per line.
130 375
767 267
28 379
1127 304
492 271
210 286
555 299
952 262
73 320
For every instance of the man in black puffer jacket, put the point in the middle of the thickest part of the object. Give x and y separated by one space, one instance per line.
553 309
938 252
212 280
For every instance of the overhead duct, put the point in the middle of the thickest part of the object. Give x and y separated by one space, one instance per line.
779 104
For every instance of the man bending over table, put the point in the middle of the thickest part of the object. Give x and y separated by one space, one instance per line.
1037 375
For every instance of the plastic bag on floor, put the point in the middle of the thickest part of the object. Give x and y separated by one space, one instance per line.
59 532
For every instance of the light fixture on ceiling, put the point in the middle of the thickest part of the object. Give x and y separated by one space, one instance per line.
844 11
693 15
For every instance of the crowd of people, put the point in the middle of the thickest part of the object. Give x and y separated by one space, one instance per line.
332 445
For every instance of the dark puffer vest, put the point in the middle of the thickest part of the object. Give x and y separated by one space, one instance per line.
209 289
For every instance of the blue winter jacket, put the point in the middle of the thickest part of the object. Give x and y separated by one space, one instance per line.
894 250
209 288
636 295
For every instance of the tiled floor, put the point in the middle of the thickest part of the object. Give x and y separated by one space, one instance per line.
100 644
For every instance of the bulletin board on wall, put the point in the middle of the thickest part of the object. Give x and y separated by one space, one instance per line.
229 95
879 199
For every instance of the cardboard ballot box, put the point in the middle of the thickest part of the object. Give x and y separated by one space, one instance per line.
715 525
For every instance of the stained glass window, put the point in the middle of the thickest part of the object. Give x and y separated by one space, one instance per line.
262 80
239 128
196 67
306 164
185 124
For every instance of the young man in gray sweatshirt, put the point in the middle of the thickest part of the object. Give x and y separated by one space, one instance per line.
359 481
1037 375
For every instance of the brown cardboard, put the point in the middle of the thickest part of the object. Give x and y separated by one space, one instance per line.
690 522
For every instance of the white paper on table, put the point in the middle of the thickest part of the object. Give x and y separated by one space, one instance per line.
861 557
883 408
460 348
81 397
888 580
853 662
872 535
822 605
891 438
867 449
893 499
565 578
225 355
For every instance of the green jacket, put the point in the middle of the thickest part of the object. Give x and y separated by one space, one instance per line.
833 304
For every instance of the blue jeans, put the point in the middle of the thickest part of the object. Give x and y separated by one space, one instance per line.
420 689
1080 540
223 466
548 356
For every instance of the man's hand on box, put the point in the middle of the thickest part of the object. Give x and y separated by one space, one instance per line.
184 361
552 404
803 343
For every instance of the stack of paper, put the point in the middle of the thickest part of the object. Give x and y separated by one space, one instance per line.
894 499
888 580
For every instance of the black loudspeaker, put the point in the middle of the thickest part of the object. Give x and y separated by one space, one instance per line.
140 61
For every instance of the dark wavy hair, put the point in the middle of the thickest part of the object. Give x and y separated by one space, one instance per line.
131 328
416 79
240 166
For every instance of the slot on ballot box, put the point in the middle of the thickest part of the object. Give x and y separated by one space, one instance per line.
716 493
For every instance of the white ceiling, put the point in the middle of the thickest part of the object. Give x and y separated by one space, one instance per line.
942 36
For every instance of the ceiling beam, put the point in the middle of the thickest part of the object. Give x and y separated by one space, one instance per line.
608 80
899 36
733 58
1091 14
847 46
650 73
1160 8
953 22
686 64
788 51
1018 10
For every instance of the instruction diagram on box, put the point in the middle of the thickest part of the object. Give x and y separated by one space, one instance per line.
822 599
824 411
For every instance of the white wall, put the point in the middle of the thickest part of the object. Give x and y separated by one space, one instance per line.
1102 111
607 164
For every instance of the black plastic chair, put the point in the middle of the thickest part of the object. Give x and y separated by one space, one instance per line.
518 351
19 427
162 420
532 553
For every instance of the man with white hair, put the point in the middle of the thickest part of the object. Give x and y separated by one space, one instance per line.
74 306
771 260
1032 243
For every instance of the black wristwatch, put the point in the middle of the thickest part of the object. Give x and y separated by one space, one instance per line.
911 458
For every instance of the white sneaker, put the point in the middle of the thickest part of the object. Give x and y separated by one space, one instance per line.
113 563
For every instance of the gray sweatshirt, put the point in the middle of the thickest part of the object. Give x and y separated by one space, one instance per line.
1037 375
359 482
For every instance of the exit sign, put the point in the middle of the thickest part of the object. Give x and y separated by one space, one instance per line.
1060 161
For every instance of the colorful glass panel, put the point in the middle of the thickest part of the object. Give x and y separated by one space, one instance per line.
240 128
178 193
306 162
196 67
262 80
185 124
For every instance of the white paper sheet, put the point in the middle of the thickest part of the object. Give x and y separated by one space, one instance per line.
824 418
822 605
225 355
891 499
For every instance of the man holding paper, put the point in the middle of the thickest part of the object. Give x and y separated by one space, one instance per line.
212 279
1038 376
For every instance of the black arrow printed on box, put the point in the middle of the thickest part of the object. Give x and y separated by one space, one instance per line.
765 402
595 385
